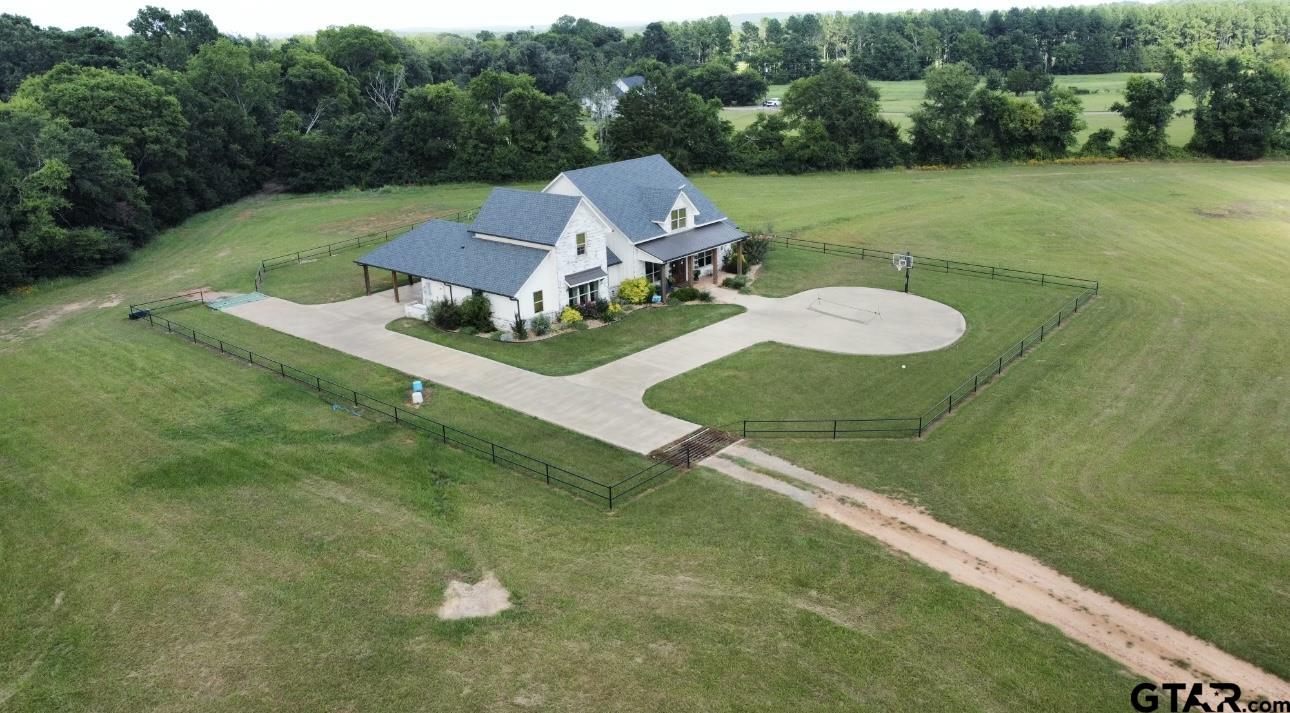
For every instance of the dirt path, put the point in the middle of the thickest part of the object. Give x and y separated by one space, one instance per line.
1145 645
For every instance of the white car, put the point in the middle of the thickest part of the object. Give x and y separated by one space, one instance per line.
772 102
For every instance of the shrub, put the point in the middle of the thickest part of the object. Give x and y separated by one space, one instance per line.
738 282
445 315
520 330
570 316
541 324
636 290
469 330
613 311
755 250
580 326
705 296
685 294
477 312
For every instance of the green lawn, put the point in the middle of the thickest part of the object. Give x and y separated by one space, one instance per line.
1142 451
182 531
899 99
782 382
576 351
326 279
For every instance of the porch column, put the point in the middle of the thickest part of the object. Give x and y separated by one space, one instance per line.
739 263
394 280
689 268
367 282
716 266
667 268
409 279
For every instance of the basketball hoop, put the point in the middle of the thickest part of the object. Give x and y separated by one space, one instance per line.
903 263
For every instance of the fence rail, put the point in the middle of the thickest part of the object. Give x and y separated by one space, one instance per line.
139 310
923 262
916 426
330 249
603 490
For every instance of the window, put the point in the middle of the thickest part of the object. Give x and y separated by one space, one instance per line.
678 219
654 271
589 292
537 302
582 243
703 259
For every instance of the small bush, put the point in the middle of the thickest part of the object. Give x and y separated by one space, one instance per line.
612 312
469 330
705 296
685 294
570 316
520 330
755 250
445 315
541 324
580 326
636 291
738 282
477 312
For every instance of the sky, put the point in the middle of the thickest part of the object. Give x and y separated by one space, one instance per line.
266 17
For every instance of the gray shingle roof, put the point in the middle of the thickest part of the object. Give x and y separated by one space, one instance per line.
636 192
583 277
447 251
632 82
611 259
525 215
693 241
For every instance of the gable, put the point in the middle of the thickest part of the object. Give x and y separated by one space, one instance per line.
636 195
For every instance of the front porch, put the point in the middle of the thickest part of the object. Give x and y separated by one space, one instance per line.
698 269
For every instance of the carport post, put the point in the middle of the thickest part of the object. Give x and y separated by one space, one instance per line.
716 266
367 282
739 264
394 280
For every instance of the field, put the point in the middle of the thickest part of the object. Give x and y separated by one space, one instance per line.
899 99
181 531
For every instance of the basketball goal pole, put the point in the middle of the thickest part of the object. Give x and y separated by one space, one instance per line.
908 268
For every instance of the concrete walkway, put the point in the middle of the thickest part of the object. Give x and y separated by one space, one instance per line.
605 402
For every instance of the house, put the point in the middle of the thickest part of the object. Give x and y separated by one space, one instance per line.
603 102
575 241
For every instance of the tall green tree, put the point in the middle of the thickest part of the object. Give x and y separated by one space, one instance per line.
662 118
942 131
1148 107
130 113
845 109
1241 110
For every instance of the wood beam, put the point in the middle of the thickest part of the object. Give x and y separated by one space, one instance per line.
716 266
394 280
667 268
739 264
367 282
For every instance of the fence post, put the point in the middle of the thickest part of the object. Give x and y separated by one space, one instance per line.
687 455
221 346
318 383
282 369
745 430
611 497
548 473
835 428
1041 332
920 426
445 433
992 272
951 406
1042 278
1000 370
355 395
862 253
976 381
492 447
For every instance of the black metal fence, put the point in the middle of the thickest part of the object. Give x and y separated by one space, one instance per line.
937 264
916 426
143 309
604 491
331 249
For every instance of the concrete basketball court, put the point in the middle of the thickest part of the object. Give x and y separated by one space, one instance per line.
605 402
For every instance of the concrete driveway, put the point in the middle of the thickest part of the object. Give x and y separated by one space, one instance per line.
605 402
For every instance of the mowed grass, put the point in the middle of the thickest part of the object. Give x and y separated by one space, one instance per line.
784 382
575 351
182 531
899 99
1142 450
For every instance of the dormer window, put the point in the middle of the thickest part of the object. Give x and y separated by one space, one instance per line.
582 243
678 219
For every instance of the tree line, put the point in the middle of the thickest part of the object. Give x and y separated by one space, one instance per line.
104 140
